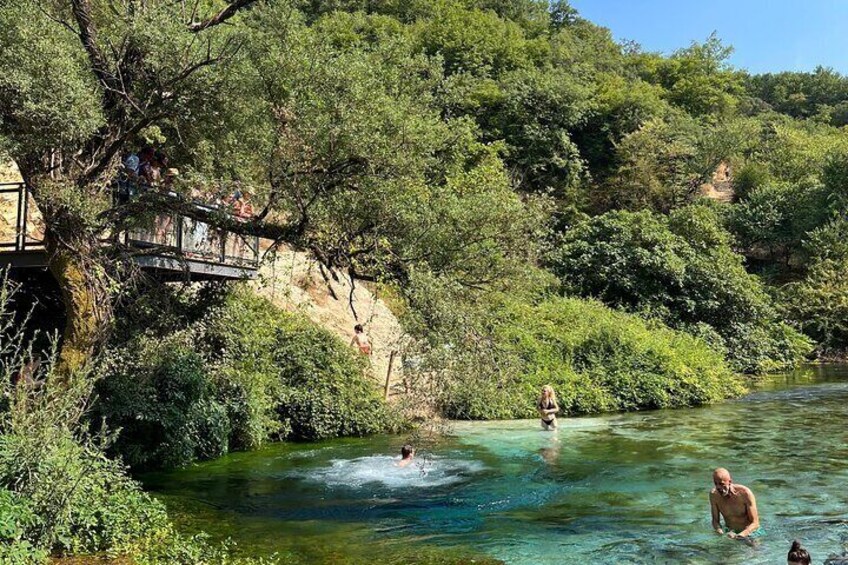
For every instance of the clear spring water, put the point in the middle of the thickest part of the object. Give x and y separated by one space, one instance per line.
629 488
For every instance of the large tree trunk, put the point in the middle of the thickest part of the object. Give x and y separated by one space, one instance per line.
76 261
85 293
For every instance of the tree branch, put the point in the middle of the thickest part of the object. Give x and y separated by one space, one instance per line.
228 12
88 36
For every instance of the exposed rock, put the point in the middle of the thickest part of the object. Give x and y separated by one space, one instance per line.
9 172
721 186
294 281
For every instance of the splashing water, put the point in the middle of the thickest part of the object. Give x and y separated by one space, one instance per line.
383 470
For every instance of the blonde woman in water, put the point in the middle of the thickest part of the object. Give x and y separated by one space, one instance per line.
547 407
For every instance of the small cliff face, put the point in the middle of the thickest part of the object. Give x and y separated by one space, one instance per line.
720 186
294 281
8 203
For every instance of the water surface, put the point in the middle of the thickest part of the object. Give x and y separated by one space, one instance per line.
628 488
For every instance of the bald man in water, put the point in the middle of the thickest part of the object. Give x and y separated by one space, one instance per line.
736 504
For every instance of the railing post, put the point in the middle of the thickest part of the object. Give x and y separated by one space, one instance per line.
389 375
25 197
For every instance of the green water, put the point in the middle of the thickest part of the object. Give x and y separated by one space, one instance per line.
628 488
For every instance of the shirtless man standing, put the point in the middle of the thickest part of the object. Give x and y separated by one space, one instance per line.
736 504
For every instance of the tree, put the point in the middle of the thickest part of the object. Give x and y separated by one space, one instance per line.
79 81
697 79
682 270
352 164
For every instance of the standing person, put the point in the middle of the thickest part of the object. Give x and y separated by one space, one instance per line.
736 504
245 207
360 339
146 158
548 408
798 555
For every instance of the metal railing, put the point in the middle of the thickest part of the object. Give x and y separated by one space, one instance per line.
14 204
170 234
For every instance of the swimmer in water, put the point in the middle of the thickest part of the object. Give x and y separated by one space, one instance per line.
547 407
798 555
737 505
407 453
360 340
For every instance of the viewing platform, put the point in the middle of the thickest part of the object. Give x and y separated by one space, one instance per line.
173 247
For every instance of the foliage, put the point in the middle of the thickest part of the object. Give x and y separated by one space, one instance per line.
228 372
683 271
597 359
320 388
821 94
775 218
818 302
424 125
59 492
159 394
697 78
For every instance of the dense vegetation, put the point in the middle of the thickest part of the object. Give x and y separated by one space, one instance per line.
196 374
532 192
682 270
597 359
59 491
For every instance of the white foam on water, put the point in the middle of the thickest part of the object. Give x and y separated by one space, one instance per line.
383 470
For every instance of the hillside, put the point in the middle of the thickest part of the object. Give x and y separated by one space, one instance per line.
293 281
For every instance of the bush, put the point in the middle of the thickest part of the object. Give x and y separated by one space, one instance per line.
319 387
59 493
774 219
16 519
325 392
819 304
749 178
231 371
597 359
160 396
683 271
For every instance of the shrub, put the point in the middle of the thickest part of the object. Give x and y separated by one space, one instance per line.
159 394
681 270
16 519
775 219
819 304
317 386
596 358
231 371
750 177
59 492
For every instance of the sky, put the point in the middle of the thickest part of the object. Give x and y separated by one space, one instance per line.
767 35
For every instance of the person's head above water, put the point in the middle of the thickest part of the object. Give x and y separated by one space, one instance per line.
722 481
407 451
798 555
548 393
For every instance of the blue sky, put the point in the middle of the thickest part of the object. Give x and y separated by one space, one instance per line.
768 35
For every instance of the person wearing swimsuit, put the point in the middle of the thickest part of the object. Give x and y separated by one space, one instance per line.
547 407
360 340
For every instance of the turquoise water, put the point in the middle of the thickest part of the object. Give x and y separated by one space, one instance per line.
629 488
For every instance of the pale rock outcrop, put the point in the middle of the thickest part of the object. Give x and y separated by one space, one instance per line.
294 281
